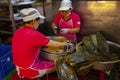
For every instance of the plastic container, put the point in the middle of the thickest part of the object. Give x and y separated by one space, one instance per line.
6 63
4 49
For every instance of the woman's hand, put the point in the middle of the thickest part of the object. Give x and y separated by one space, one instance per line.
73 30
68 46
55 29
64 31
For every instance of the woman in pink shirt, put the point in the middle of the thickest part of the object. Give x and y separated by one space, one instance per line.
26 44
67 21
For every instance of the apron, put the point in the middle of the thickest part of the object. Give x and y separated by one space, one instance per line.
30 72
69 25
27 72
37 69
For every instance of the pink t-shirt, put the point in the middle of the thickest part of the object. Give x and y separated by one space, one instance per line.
73 22
26 44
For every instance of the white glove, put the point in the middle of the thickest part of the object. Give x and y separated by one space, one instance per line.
64 31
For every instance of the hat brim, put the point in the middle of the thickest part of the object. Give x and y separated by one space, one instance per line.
64 8
42 17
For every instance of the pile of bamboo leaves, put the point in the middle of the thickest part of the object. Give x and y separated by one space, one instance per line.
93 48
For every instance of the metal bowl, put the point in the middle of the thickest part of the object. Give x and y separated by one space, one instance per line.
52 56
105 66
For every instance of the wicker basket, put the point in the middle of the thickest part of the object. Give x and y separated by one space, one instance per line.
104 66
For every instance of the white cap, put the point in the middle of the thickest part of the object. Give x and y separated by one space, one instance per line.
29 14
65 5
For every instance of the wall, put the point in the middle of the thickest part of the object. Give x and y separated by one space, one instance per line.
100 16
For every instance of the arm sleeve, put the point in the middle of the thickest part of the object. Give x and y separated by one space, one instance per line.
40 39
76 21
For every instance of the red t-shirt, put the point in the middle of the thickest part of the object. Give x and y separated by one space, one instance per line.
75 19
73 22
26 44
